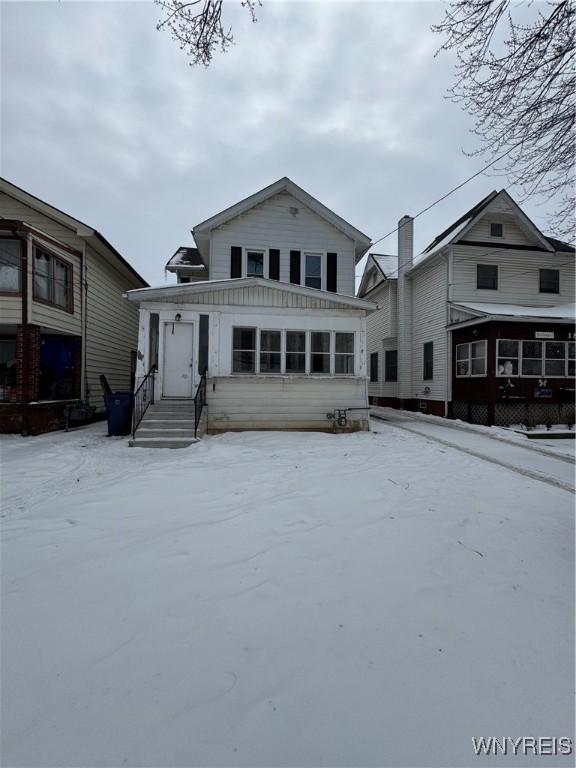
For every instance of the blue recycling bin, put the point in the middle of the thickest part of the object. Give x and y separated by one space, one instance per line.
119 412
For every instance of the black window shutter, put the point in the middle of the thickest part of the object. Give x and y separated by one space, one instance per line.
236 261
295 267
332 272
274 264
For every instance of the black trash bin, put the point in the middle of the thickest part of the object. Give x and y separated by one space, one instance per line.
119 412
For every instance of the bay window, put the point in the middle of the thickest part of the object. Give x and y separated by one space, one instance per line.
10 261
52 279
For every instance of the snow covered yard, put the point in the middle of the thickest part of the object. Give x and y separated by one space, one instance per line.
275 599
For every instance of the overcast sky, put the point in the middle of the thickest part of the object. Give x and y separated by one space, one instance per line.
103 117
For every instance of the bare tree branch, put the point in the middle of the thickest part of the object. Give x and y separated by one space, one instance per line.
518 82
196 25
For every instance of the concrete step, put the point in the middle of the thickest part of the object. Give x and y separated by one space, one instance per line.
162 414
162 423
172 405
161 442
145 431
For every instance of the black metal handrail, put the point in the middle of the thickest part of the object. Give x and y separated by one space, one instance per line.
199 401
143 397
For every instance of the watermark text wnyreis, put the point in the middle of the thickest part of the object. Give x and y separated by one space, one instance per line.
523 745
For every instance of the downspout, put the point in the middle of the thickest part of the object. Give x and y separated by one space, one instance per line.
84 294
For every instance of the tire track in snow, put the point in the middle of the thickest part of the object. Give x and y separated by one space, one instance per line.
533 475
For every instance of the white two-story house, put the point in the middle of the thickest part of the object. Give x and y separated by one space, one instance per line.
480 326
265 306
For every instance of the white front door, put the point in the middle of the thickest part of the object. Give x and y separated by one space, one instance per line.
178 374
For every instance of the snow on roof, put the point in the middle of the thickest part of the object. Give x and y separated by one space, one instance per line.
561 312
186 257
387 263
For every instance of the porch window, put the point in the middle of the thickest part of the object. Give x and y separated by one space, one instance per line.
254 263
320 352
531 358
270 351
374 366
508 357
10 261
313 270
549 359
471 359
52 279
487 277
549 281
391 365
344 353
555 360
244 350
295 351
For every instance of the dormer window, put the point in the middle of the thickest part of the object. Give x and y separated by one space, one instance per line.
255 263
496 229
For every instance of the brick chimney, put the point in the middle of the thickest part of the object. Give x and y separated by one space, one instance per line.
405 261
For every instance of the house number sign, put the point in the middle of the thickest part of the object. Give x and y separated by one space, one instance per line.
544 335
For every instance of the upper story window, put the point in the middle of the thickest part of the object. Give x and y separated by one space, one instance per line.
255 263
496 229
52 279
487 277
10 265
313 270
549 281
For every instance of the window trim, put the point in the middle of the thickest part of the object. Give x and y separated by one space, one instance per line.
313 252
482 264
69 267
18 291
543 359
255 249
548 269
471 375
429 345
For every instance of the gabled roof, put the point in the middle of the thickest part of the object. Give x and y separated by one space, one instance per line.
189 289
385 264
201 232
77 226
187 259
459 228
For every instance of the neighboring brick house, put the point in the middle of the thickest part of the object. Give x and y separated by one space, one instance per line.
480 326
63 321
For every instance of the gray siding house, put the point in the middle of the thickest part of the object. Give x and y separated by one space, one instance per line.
63 321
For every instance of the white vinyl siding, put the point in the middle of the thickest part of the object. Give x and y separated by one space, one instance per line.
513 233
429 325
274 224
267 402
381 335
10 208
518 276
112 326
